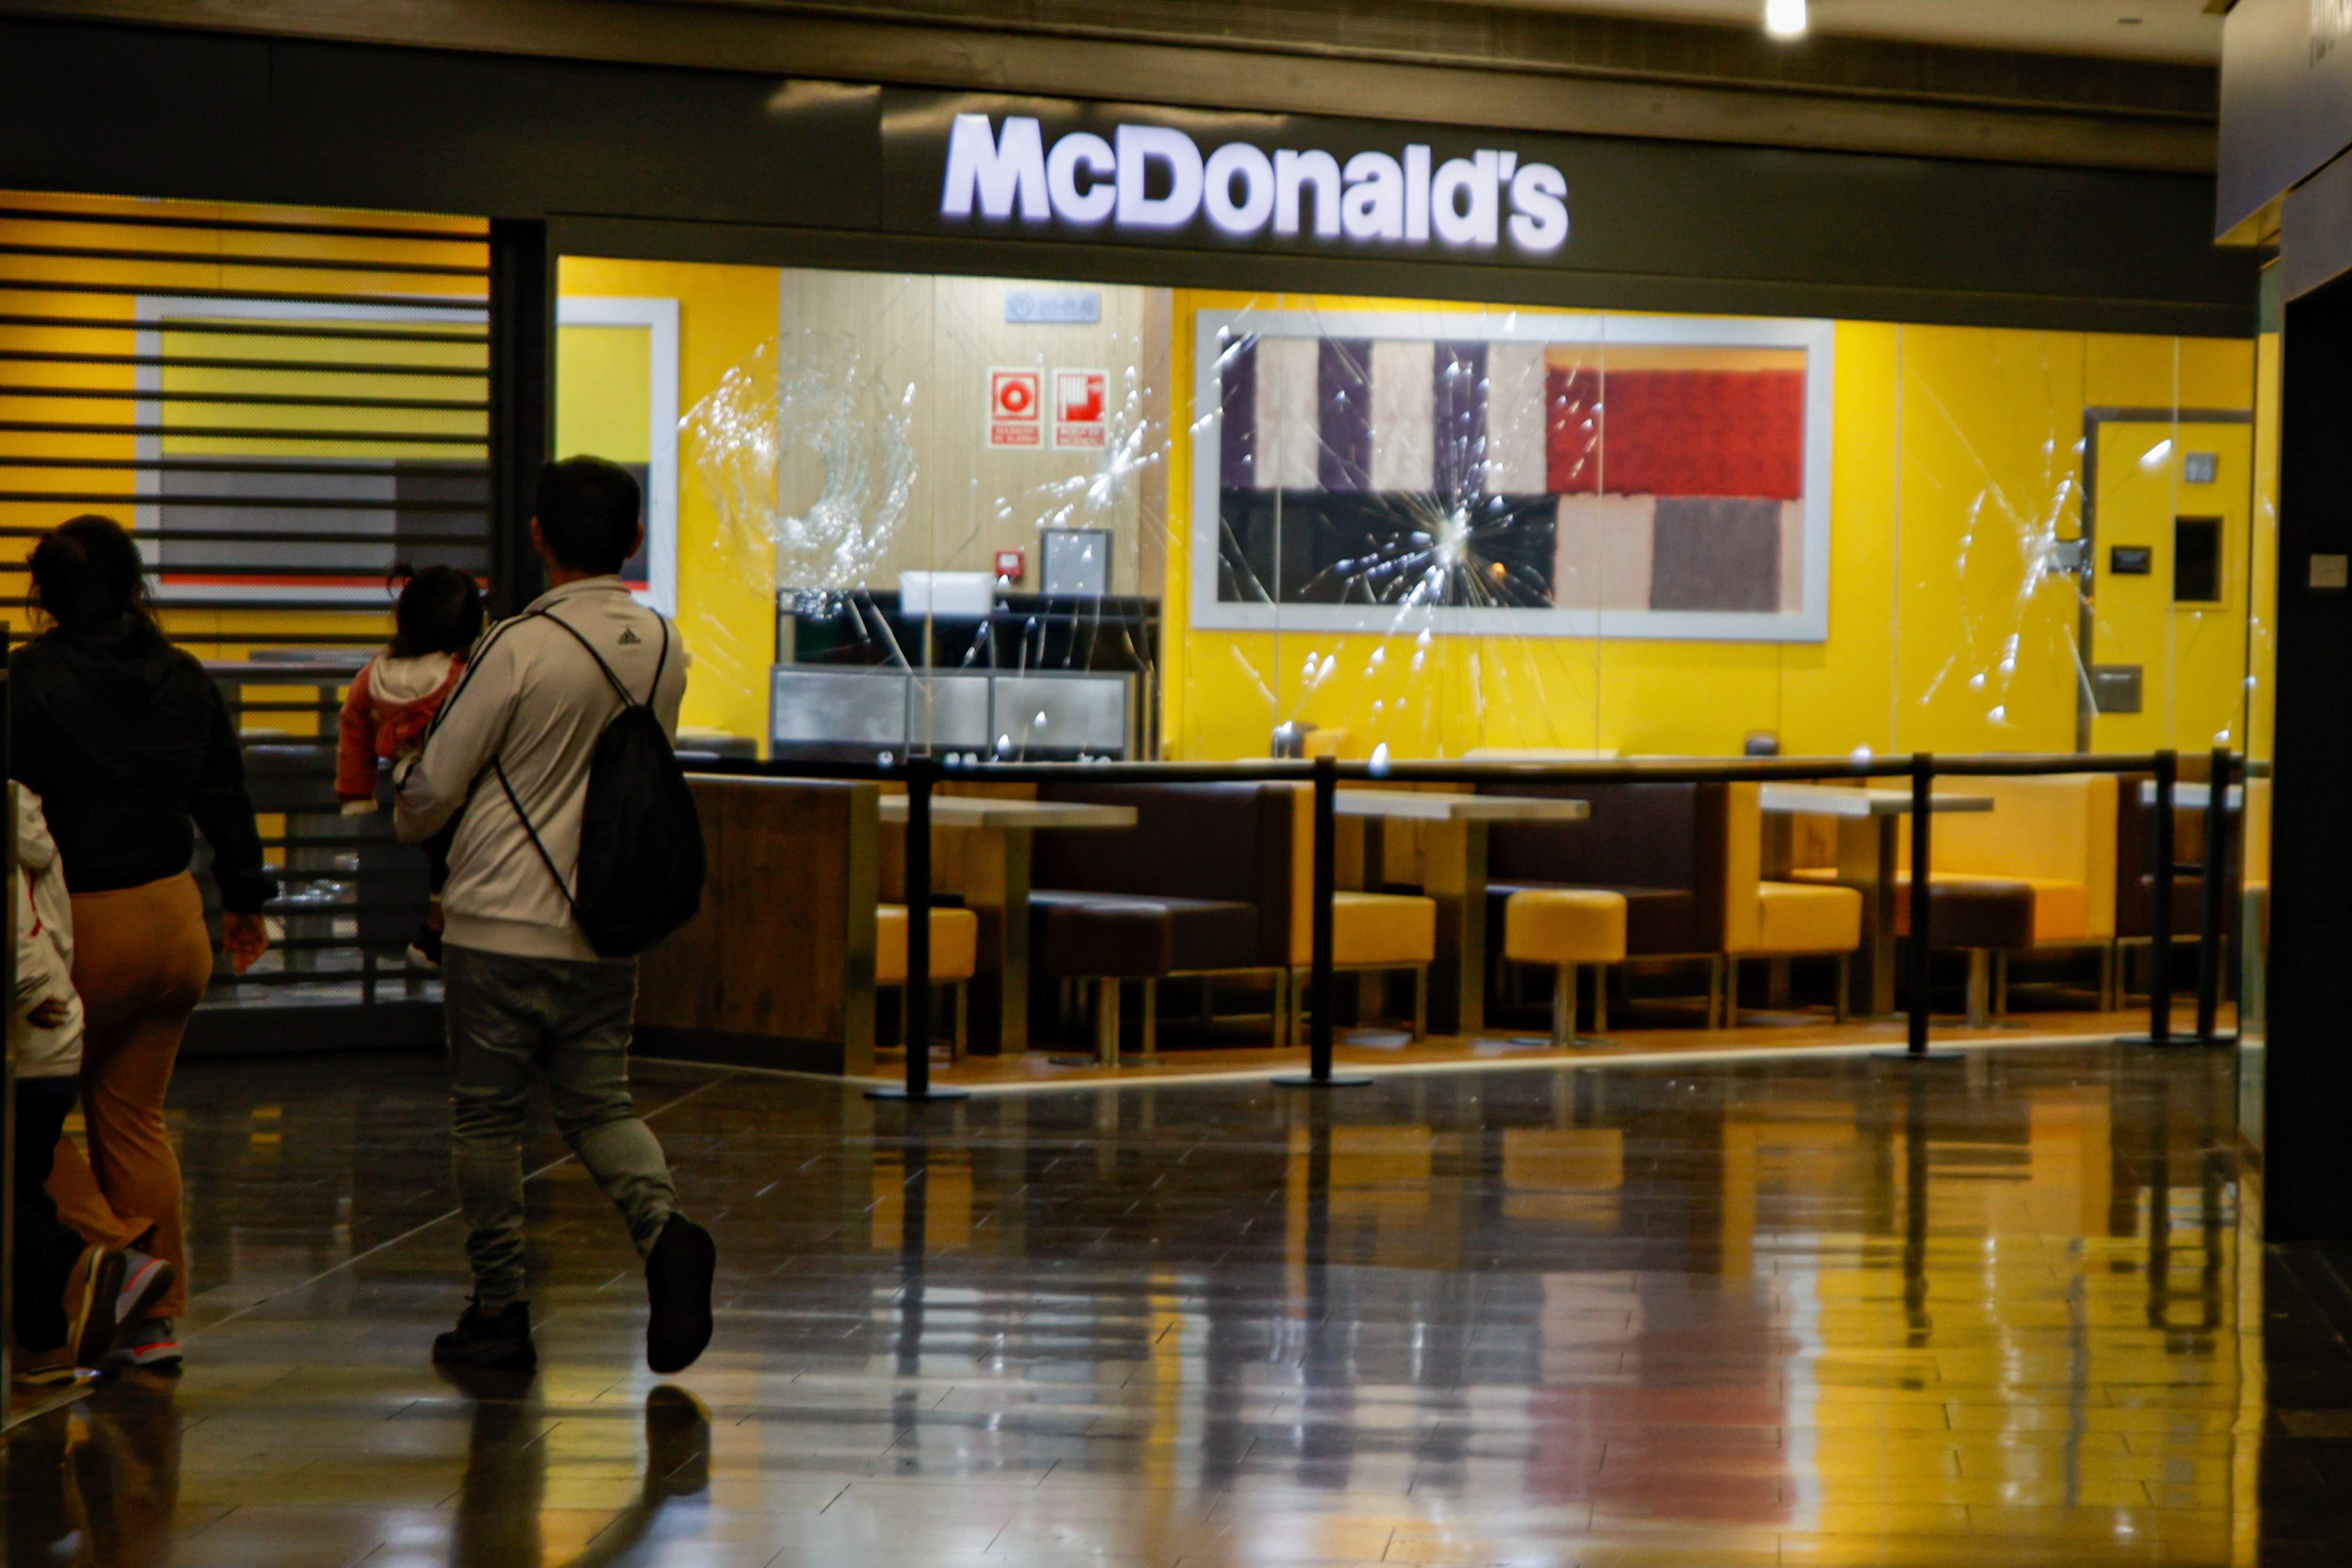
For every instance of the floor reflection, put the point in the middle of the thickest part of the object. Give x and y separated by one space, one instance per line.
1777 1312
100 1485
502 1505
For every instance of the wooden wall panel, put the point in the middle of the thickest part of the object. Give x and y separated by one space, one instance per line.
778 969
941 335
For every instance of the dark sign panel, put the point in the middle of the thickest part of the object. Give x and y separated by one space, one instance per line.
975 166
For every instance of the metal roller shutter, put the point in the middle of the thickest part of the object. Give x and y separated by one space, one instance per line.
285 406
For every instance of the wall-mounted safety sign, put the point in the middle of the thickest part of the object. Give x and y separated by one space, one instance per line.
1081 409
1015 407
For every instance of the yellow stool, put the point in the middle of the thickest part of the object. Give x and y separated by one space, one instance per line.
955 953
1565 928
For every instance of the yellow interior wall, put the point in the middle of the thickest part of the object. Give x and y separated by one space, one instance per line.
724 609
604 391
1955 457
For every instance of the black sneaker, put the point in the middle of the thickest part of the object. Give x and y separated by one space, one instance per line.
425 947
678 1283
500 1341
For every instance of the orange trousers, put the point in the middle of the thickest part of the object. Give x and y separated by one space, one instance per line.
142 961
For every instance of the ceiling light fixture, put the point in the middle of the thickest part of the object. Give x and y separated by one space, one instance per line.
1785 18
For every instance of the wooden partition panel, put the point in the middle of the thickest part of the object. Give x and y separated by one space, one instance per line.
778 969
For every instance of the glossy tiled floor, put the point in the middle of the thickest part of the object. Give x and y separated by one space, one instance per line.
1784 1312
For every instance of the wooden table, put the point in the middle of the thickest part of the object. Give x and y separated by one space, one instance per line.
1453 873
1867 858
996 889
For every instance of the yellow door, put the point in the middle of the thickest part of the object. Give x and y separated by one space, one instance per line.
2177 616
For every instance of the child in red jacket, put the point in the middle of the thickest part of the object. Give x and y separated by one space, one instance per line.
393 704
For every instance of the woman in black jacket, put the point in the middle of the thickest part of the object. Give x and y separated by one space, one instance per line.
126 739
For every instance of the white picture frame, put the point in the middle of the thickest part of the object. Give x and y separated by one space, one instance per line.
1808 623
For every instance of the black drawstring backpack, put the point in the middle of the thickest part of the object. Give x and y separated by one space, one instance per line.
641 860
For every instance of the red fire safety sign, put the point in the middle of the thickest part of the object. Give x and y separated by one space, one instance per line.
1015 408
1081 412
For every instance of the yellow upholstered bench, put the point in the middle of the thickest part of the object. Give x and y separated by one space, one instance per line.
1370 931
1777 920
1565 929
955 952
1792 919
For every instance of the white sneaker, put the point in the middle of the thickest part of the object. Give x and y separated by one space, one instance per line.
153 1342
145 1279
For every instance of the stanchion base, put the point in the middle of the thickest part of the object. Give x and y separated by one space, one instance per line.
1931 1054
936 1092
1308 1081
1545 1043
2185 1037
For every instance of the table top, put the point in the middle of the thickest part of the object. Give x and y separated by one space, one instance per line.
1541 754
2190 797
1834 800
984 811
1423 805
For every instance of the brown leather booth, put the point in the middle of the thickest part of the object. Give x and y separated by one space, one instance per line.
1202 886
1988 920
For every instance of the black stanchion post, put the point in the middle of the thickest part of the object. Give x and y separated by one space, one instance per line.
1922 943
915 999
1327 873
1923 947
2159 953
2218 819
1319 985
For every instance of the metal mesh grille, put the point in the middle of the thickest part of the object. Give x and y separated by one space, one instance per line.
285 405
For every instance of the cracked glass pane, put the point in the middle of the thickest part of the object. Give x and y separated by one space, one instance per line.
1069 519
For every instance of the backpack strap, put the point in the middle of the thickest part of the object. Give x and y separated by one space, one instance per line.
499 768
545 859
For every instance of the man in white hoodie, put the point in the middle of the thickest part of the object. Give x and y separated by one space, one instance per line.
526 998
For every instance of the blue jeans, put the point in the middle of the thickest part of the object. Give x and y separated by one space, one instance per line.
512 1021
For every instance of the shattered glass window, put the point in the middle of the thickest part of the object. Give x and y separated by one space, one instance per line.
1065 518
